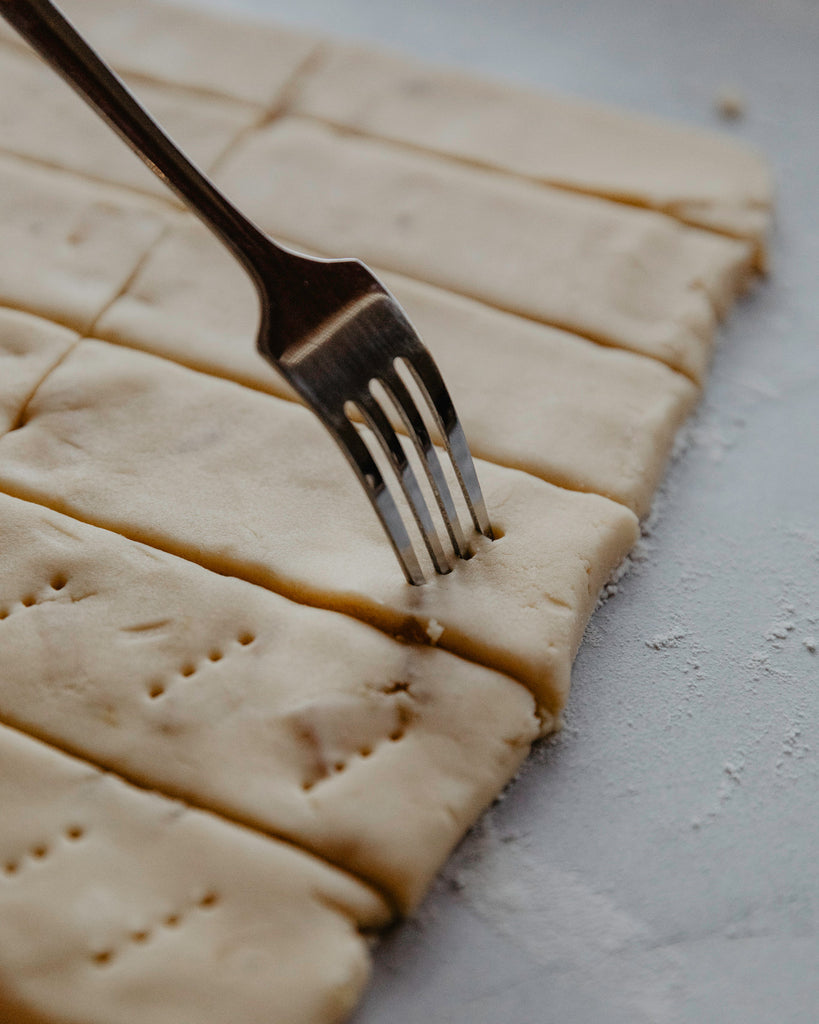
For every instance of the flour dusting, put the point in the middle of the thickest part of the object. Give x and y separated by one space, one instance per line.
564 925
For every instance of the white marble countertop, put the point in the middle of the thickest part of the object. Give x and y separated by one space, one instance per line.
659 860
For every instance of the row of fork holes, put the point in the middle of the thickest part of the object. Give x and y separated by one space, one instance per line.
72 833
141 936
366 751
158 688
57 583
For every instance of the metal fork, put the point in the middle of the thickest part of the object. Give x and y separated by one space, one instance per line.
329 326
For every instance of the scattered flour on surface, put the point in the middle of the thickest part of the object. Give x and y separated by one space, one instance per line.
566 926
664 642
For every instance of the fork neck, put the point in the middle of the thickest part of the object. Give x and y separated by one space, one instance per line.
59 44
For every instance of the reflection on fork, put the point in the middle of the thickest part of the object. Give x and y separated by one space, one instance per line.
329 326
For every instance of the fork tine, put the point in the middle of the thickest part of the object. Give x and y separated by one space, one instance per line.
428 378
417 430
369 475
377 421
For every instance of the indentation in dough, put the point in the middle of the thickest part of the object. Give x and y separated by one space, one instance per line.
397 687
57 583
158 687
146 627
141 936
323 771
42 850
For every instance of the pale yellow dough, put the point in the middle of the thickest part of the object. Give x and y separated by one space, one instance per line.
303 723
574 413
54 126
288 777
122 905
619 275
29 349
69 246
699 177
177 45
253 486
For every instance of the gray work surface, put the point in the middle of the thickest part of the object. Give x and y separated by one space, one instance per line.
658 861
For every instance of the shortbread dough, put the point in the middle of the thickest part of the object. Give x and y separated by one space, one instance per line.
227 57
200 466
69 245
29 350
303 723
705 179
574 413
286 778
619 275
56 127
122 905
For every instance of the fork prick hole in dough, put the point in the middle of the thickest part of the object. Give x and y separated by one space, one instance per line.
210 899
105 956
400 686
40 852
74 832
140 936
215 654
58 582
28 601
172 921
188 669
156 690
246 638
3 613
11 867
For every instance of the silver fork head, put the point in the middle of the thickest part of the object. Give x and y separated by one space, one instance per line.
346 335
328 325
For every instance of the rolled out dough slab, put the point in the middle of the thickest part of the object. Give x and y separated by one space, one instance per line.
69 245
619 275
176 45
280 723
29 349
120 904
580 415
56 128
177 459
702 178
306 724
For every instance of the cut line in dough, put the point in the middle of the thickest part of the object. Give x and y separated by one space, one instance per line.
302 723
197 466
705 179
576 414
118 904
619 275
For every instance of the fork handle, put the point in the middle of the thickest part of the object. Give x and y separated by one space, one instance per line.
61 46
